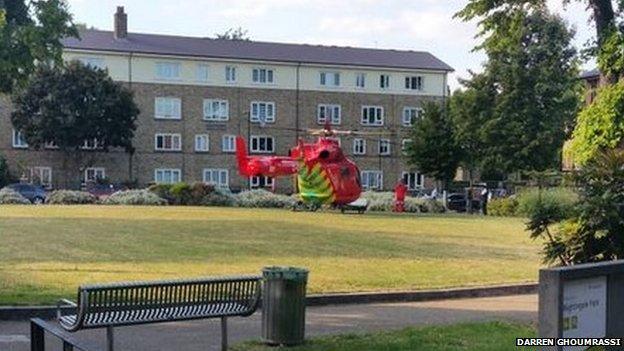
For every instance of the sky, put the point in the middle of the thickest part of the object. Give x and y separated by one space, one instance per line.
422 25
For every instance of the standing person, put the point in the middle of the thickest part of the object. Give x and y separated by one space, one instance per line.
399 196
485 194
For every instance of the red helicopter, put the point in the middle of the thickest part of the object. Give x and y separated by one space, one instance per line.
324 174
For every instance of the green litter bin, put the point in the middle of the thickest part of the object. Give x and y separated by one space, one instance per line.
283 305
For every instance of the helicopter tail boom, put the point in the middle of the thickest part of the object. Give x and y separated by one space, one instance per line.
269 166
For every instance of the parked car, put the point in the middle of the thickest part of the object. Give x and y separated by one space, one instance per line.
458 202
34 193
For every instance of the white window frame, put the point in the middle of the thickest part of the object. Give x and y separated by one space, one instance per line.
98 173
360 80
378 118
92 144
175 108
255 139
410 115
167 70
366 175
202 72
254 182
173 143
173 172
418 182
50 145
414 83
18 140
384 81
228 143
261 75
221 114
359 146
335 114
40 174
329 79
222 175
199 142
387 143
230 74
255 117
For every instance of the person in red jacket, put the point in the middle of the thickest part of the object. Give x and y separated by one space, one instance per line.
399 196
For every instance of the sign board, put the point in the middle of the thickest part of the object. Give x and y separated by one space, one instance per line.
584 309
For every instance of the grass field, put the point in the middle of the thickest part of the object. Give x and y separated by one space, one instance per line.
47 251
492 336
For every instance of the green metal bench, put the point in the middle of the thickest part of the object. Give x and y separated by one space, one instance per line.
122 304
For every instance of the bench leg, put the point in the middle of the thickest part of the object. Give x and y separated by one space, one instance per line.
37 340
110 339
224 335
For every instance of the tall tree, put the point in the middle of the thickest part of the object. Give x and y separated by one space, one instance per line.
433 150
66 106
30 35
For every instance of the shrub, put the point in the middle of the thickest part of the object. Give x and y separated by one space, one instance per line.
184 194
11 197
135 197
264 199
5 174
219 197
70 197
505 206
562 199
384 202
163 191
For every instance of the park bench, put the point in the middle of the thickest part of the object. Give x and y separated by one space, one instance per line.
123 304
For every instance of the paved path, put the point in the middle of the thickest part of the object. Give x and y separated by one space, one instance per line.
204 335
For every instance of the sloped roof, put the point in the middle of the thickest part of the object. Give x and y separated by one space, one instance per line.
255 50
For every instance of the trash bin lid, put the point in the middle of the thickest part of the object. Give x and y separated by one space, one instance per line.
286 273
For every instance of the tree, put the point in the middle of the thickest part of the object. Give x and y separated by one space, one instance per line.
66 106
5 174
514 116
30 35
234 34
433 150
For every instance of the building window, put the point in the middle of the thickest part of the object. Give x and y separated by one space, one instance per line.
359 146
260 182
91 144
413 180
405 144
167 176
167 108
328 112
262 112
230 74
202 143
216 177
384 81
19 141
93 174
262 75
216 110
414 83
384 147
262 144
372 180
330 79
167 70
228 143
168 142
411 115
93 62
360 80
50 145
41 176
202 72
372 116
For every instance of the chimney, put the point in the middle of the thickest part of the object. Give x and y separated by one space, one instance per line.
121 23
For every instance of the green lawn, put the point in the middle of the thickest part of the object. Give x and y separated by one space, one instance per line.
492 336
47 251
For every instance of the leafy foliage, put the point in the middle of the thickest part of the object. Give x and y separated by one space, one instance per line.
70 197
9 196
5 174
433 149
505 207
135 197
600 125
384 202
263 199
234 34
30 35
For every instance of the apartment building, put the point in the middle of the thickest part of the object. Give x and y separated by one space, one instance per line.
197 94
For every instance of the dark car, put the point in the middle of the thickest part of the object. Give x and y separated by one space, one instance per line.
34 193
458 202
